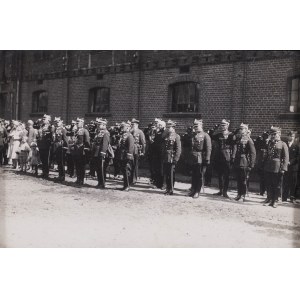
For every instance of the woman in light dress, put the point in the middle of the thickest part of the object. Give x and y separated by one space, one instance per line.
15 137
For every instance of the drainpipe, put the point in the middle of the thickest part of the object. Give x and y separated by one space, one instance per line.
243 112
19 83
66 68
139 85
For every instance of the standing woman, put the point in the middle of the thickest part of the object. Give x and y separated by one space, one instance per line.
15 136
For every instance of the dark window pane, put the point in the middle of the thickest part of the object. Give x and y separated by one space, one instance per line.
185 96
99 100
39 102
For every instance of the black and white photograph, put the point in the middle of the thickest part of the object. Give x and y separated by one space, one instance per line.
150 148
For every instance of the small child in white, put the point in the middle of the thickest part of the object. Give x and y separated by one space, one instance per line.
23 153
34 158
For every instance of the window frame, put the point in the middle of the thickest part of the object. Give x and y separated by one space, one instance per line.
290 85
196 103
92 98
36 96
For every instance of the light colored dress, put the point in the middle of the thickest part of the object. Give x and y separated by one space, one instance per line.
14 144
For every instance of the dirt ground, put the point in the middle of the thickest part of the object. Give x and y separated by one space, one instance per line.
40 213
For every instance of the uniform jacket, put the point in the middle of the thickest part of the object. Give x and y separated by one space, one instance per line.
277 157
139 141
294 156
200 147
261 147
82 140
126 146
101 143
45 136
171 148
3 135
223 146
244 153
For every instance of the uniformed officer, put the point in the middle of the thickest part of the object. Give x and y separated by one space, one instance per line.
290 177
200 157
261 145
45 138
222 158
171 151
60 147
157 153
3 137
99 150
125 153
243 156
276 164
71 129
139 148
80 150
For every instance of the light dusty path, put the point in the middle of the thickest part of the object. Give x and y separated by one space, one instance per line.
41 213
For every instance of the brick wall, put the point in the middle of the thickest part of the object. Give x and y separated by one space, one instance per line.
250 90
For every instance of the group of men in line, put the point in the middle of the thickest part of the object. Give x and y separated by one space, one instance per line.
96 145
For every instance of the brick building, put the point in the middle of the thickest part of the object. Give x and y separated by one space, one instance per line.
261 88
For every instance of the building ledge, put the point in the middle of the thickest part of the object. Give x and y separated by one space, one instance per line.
97 114
290 115
182 115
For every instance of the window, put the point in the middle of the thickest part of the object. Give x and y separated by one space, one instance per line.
39 102
99 100
294 96
185 97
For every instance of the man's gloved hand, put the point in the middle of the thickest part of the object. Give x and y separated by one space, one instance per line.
249 169
282 172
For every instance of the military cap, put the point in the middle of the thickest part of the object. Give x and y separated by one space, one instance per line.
275 129
46 117
101 121
292 132
78 120
73 122
57 119
157 119
171 123
125 124
197 122
135 121
225 122
246 126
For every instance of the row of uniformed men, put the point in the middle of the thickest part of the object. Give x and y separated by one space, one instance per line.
164 152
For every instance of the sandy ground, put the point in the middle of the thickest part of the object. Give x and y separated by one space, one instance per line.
41 213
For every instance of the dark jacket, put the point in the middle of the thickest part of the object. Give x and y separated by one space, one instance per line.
277 157
101 143
294 156
244 153
139 141
126 146
45 136
171 148
223 147
200 148
3 135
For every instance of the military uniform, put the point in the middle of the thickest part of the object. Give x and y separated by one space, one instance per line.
261 146
3 137
80 152
290 177
125 155
243 156
200 158
171 151
71 129
139 150
60 147
276 164
98 153
222 158
44 141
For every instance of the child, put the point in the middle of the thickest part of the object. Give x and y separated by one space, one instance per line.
34 157
23 153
